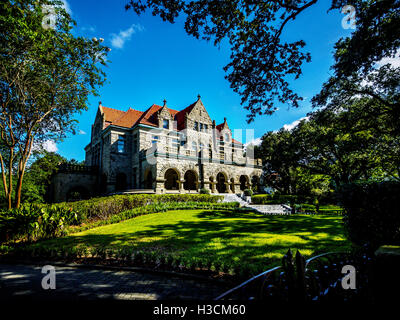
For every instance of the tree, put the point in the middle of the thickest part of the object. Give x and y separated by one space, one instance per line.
280 160
342 143
282 170
46 76
38 177
261 62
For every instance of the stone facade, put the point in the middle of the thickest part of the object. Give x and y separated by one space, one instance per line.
168 151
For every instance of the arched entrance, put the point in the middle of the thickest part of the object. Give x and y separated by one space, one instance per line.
77 193
221 183
244 182
171 177
148 181
190 180
120 182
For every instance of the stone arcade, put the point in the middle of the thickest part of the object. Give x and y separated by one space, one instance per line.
159 150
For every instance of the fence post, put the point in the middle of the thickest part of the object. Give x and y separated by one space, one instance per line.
301 280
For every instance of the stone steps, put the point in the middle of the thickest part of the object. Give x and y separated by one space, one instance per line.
268 209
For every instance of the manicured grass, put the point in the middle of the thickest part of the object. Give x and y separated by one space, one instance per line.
229 237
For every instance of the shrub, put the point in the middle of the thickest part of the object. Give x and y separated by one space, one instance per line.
371 212
204 191
30 222
248 192
280 199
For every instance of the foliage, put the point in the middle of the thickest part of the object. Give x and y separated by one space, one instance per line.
371 212
278 199
46 76
248 192
262 62
31 222
204 191
331 147
359 69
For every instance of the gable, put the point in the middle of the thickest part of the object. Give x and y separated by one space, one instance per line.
199 113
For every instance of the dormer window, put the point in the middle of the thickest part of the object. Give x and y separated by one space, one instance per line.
166 124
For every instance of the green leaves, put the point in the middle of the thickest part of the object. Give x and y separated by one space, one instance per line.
46 76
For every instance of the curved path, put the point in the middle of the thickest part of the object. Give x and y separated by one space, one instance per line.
24 281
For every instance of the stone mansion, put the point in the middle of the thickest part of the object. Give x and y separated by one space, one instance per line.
165 151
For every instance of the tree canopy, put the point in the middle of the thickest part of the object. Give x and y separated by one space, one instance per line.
263 64
46 76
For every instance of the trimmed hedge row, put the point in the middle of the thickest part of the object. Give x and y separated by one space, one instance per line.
32 222
153 208
279 199
102 208
372 214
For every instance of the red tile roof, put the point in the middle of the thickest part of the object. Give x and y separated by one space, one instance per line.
131 117
110 115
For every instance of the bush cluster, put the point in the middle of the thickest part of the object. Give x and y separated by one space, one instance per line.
31 222
372 215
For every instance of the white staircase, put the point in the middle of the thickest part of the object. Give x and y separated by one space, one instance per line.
267 209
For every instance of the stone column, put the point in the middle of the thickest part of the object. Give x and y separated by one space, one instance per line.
160 188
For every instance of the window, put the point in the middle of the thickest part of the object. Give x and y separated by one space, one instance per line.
175 143
205 127
194 146
155 139
226 136
196 126
121 144
201 127
201 146
166 124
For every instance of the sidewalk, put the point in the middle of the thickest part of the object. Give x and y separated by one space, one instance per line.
24 281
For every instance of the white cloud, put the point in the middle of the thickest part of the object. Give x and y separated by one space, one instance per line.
81 132
294 124
254 142
118 40
50 146
395 62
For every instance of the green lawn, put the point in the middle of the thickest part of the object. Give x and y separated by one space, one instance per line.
226 236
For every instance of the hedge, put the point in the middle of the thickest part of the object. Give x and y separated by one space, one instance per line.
279 199
33 221
372 214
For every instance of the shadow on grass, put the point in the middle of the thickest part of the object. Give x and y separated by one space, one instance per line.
225 236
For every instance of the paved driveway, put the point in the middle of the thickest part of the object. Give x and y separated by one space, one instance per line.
24 281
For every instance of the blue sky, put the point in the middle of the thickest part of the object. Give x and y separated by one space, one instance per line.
152 60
